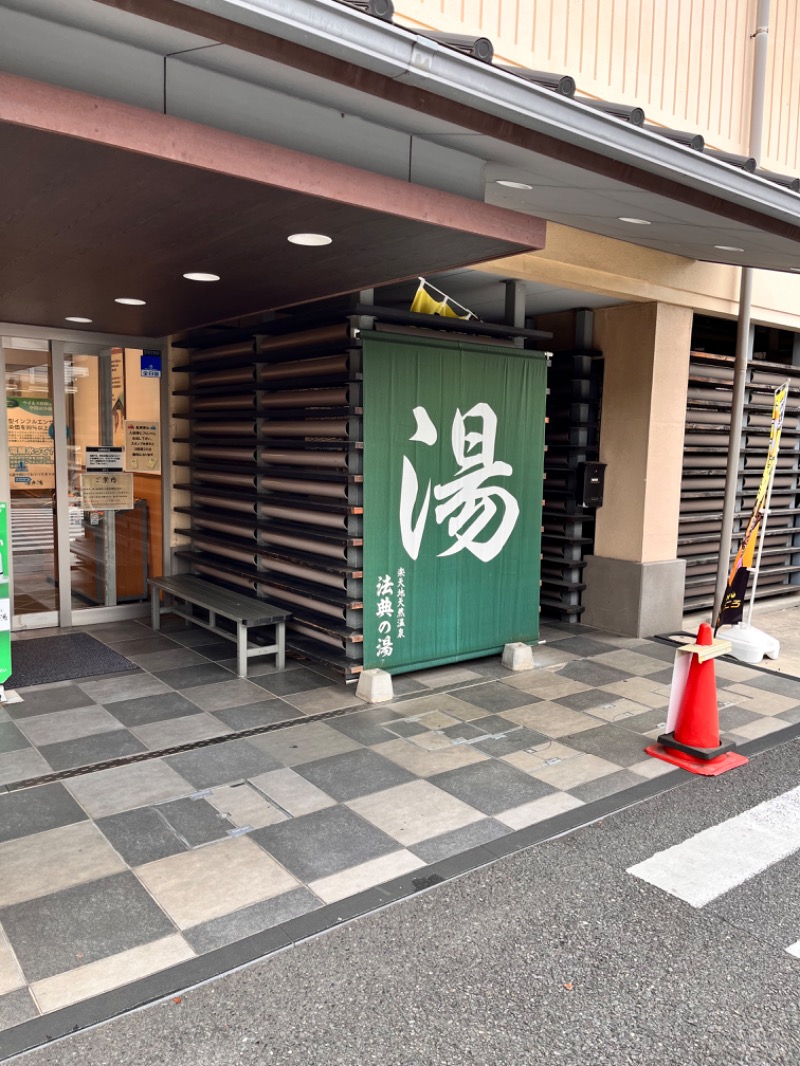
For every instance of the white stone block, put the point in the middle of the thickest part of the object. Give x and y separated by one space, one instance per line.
375 686
518 656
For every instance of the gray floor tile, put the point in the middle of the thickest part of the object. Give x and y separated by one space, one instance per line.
251 920
82 924
26 764
583 646
664 652
140 836
611 742
645 723
404 686
123 687
584 701
254 715
176 627
662 677
188 676
143 710
471 836
195 821
157 662
16 1008
144 645
463 731
109 631
35 810
11 739
216 651
236 692
495 696
287 682
492 723
735 717
402 728
606 786
491 786
46 700
783 686
327 842
590 673
367 727
792 715
220 764
490 667
83 751
515 740
354 774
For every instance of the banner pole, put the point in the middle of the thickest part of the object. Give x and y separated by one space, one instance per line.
767 502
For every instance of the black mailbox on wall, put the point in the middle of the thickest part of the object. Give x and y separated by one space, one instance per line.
591 479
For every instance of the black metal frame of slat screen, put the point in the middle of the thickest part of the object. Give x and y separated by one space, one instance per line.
274 476
708 411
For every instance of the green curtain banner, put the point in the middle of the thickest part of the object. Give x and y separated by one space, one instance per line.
453 457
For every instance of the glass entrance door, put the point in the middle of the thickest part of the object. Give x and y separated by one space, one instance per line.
81 443
32 481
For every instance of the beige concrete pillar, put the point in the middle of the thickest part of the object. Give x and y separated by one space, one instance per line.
635 583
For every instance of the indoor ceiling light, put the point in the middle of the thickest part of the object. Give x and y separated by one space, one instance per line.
309 239
728 248
513 184
634 221
76 318
198 275
129 301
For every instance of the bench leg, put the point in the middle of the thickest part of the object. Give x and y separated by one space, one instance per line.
155 608
241 649
280 640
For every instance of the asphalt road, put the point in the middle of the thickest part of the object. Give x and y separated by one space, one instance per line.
556 955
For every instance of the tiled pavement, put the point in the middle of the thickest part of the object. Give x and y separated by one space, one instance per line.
119 873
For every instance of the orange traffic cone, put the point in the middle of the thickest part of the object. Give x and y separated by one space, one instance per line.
695 743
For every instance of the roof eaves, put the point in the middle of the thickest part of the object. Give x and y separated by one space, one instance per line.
346 33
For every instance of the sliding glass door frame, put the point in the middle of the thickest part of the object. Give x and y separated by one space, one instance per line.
59 342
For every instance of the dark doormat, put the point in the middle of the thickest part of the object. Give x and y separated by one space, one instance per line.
41 660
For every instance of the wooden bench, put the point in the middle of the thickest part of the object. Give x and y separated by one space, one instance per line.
246 611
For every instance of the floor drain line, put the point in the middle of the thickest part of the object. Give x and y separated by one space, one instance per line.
146 756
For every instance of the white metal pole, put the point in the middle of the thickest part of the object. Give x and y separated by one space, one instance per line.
743 336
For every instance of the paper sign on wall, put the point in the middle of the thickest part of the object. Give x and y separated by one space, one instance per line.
143 447
106 492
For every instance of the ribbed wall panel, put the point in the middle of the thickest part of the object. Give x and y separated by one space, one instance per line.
688 63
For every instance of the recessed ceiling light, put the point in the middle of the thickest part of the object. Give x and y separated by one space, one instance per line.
199 276
513 184
309 239
634 221
130 301
728 248
76 318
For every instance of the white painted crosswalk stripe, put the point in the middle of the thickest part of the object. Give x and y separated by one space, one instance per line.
720 858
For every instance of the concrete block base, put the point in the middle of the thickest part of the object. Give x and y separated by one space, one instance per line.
633 599
375 686
518 657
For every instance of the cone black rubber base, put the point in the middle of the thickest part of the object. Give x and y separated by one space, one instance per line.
667 740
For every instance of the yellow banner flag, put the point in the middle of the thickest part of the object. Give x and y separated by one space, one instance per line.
425 304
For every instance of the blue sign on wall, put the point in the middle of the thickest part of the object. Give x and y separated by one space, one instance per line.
151 364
